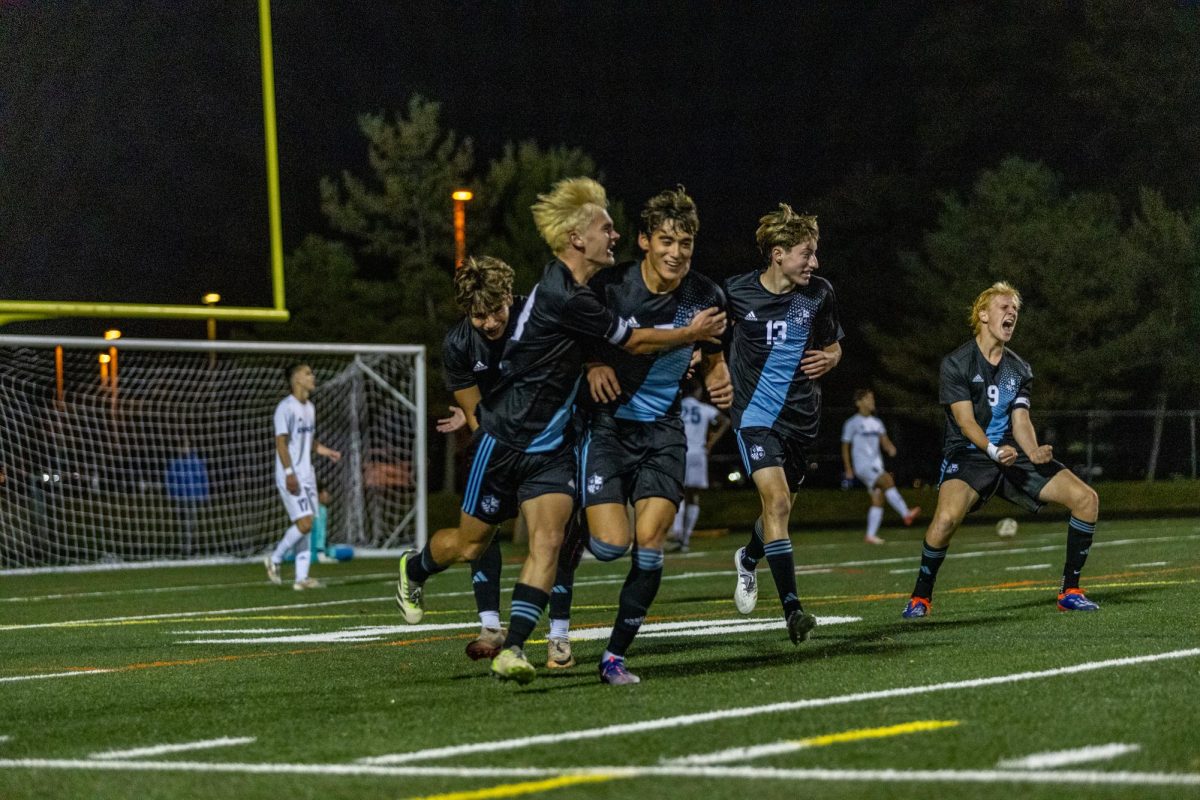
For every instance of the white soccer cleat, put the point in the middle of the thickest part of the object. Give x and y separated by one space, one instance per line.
306 584
745 595
272 571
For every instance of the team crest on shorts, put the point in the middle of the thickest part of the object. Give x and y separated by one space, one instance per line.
951 469
595 483
757 453
490 504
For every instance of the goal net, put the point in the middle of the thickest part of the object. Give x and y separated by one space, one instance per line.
133 450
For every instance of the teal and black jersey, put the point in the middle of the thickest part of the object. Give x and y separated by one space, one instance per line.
993 391
472 359
649 383
531 406
770 334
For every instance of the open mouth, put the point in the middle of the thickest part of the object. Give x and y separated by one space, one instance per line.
1008 324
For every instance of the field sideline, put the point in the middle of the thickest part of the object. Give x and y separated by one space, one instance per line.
207 681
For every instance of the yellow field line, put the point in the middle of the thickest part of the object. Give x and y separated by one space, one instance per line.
525 787
875 733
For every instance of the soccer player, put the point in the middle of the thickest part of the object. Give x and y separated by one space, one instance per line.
863 436
522 453
635 448
471 354
295 442
991 448
703 425
785 337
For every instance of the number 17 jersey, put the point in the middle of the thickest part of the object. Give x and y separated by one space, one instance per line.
769 337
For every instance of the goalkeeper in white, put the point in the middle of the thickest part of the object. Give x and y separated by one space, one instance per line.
295 441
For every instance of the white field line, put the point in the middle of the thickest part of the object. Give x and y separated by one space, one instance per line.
44 676
361 553
164 749
591 582
772 708
1151 564
4 739
357 634
234 630
193 587
1027 566
702 627
1062 758
736 773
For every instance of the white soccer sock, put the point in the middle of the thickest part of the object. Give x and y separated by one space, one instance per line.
559 628
303 557
689 522
677 527
288 541
896 501
489 619
874 517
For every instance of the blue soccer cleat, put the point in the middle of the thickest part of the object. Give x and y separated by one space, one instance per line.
1076 600
917 607
614 673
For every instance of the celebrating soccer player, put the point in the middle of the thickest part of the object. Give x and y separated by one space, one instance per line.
785 337
991 448
863 436
523 452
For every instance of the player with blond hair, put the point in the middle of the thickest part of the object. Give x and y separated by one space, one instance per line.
785 337
523 454
991 448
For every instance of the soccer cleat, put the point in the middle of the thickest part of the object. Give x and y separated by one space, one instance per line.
614 673
745 594
486 645
558 654
410 595
917 607
306 584
1076 600
511 665
799 625
272 571
912 514
872 540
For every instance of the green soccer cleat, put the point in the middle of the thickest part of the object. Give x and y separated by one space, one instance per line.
511 665
410 596
799 625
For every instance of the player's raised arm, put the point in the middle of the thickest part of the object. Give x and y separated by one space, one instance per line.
706 326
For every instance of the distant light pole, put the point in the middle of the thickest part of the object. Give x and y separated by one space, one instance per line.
111 335
210 300
461 198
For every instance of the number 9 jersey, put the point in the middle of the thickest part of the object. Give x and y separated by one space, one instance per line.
769 337
992 391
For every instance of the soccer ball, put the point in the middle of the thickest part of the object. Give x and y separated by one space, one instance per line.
1006 528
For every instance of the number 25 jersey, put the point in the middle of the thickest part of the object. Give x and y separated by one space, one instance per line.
769 337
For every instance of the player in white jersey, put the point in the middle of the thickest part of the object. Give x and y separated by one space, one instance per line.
863 436
699 419
295 442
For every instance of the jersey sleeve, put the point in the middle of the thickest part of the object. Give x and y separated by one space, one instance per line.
1024 392
953 386
828 327
585 315
456 359
716 298
848 430
283 420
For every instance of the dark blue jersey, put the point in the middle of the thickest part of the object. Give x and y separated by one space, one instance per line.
530 407
649 383
993 391
471 359
770 334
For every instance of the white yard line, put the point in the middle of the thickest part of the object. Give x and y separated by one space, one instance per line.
164 749
736 773
1027 566
45 675
772 708
223 631
1062 758
372 633
1151 564
702 627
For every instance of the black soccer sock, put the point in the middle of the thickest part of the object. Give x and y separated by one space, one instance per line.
753 552
420 568
1079 543
931 562
641 586
485 578
783 570
569 556
528 603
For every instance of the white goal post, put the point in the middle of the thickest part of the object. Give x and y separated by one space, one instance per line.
144 449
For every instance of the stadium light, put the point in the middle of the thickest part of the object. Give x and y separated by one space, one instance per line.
111 333
210 300
461 197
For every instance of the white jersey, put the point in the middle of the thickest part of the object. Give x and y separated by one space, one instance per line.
697 419
863 435
297 421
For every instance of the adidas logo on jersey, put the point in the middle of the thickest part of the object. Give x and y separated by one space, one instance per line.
480 366
977 379
751 318
632 322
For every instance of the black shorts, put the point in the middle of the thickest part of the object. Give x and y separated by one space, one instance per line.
501 478
622 460
766 447
1019 484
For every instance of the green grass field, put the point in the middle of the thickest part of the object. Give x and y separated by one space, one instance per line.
207 681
